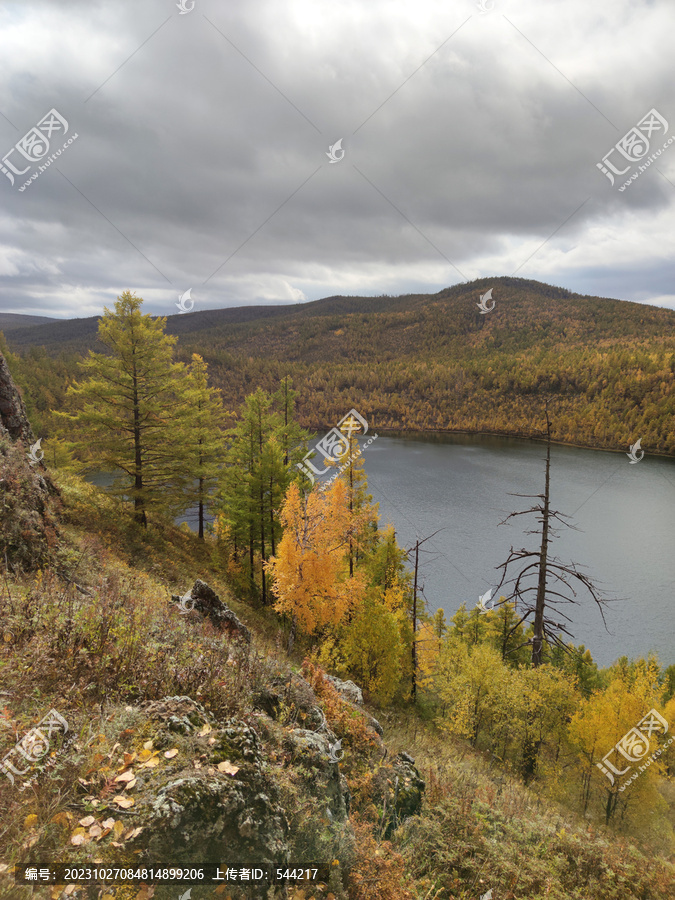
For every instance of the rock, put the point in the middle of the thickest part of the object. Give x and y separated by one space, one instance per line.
189 811
311 752
208 603
346 689
399 790
13 416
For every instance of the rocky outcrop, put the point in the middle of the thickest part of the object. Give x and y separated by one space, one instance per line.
212 800
13 417
205 601
346 689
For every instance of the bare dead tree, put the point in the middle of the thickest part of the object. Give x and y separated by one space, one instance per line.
539 603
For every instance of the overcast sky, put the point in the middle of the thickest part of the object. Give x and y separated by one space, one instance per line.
471 141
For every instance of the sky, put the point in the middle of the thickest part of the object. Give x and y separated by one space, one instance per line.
189 149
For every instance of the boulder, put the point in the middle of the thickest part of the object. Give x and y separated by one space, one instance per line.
189 810
346 689
206 602
311 751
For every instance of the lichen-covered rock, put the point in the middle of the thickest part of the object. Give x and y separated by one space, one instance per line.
13 416
311 751
346 689
399 791
205 601
213 800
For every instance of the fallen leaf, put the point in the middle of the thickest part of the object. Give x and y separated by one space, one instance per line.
147 745
118 828
70 890
95 831
77 839
109 823
115 844
3 867
131 784
30 821
228 768
124 802
62 819
104 833
134 834
205 729
151 763
169 754
125 776
213 741
129 758
86 822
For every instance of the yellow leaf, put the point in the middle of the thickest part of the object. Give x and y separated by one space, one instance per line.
129 758
124 802
30 821
86 822
171 753
151 763
77 839
118 829
228 768
205 729
147 745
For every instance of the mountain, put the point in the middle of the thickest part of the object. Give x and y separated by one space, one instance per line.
12 321
434 362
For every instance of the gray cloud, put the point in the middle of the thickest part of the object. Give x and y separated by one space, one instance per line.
470 141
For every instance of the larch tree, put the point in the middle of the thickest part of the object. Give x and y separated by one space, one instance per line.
128 409
310 571
204 435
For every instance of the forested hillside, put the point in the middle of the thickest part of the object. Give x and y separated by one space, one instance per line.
423 362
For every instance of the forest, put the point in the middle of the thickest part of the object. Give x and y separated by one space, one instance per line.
419 362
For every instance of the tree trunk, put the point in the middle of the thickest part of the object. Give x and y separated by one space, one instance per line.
538 637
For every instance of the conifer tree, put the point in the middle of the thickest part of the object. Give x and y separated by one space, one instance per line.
128 408
204 435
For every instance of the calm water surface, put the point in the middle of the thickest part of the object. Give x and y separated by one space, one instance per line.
625 515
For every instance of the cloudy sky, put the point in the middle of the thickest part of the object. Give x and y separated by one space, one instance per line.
469 148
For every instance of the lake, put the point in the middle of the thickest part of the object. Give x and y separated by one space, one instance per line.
461 483
625 514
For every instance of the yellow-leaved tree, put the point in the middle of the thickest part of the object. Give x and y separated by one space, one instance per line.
310 570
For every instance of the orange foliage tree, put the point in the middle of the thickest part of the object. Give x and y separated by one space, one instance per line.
311 567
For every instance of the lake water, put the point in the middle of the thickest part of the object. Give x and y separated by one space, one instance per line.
625 513
461 483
